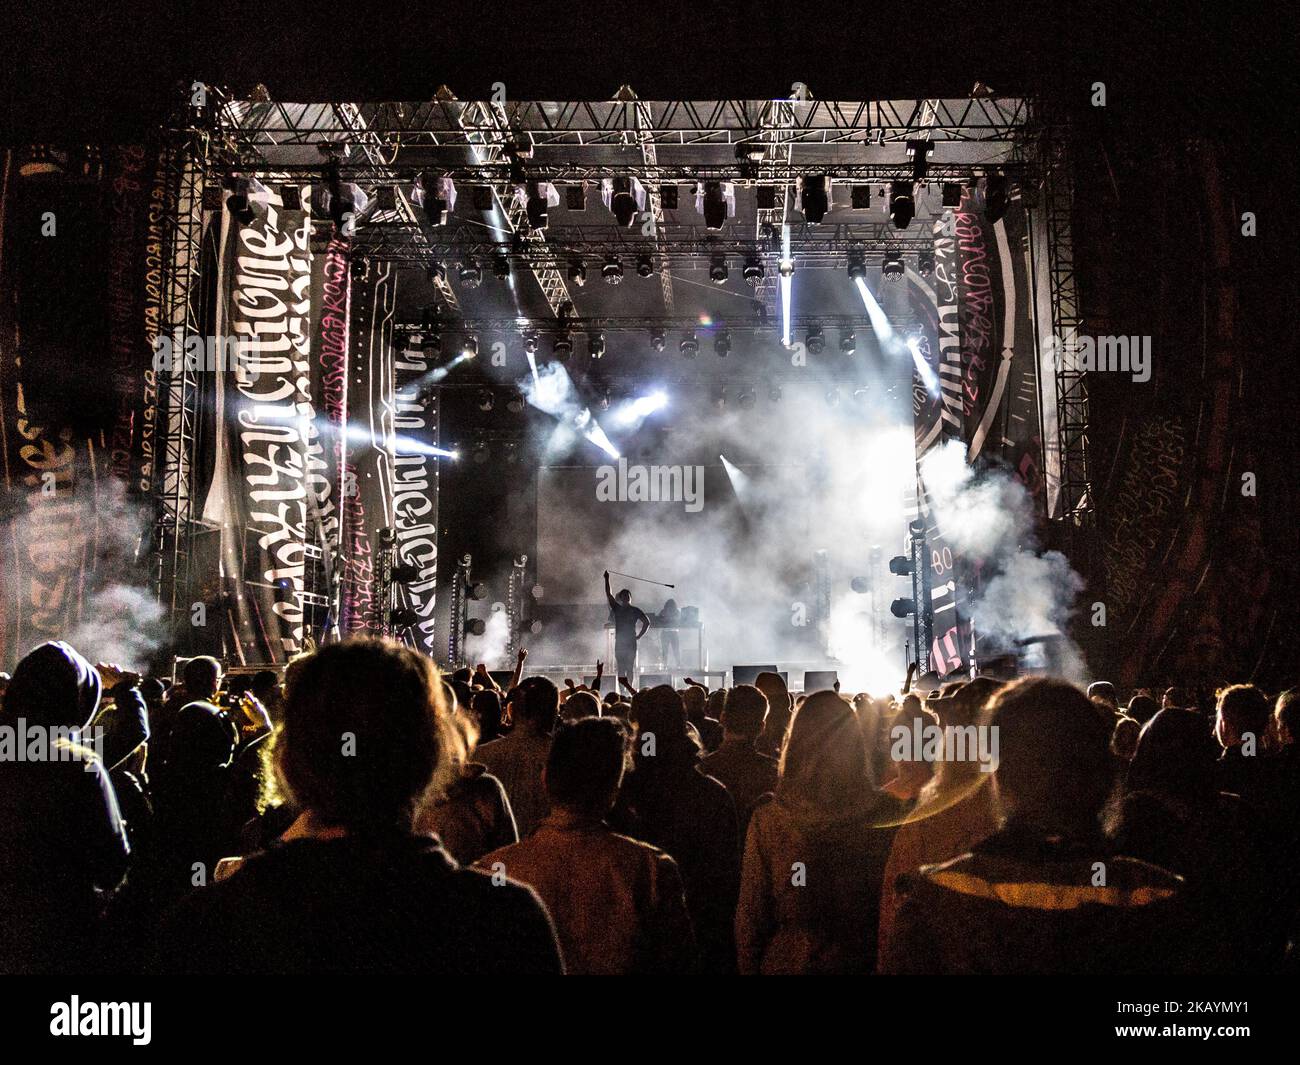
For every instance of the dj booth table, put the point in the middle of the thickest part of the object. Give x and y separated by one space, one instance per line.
687 664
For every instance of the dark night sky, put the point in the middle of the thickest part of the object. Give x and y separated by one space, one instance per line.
106 71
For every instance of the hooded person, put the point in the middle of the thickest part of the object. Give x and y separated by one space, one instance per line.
63 845
195 822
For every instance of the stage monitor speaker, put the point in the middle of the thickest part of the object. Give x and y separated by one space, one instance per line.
815 680
749 674
607 683
653 680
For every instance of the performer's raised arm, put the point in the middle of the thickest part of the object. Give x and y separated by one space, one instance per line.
608 594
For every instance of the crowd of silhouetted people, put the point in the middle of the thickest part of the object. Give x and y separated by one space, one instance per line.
361 813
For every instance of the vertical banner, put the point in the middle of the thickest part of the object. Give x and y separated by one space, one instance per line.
368 460
938 415
259 493
415 491
978 337
327 443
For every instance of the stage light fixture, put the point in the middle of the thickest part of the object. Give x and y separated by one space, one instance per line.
516 403
612 270
894 268
536 207
747 398
722 344
239 206
753 270
919 152
860 585
815 198
857 264
902 207
500 266
718 269
405 573
815 340
434 195
848 342
535 626
623 203
469 273
925 264
715 205
951 194
562 349
469 346
645 266
530 344
690 346
578 272
832 397
475 627
774 393
603 400
476 590
480 454
720 397
596 345
431 343
995 197
658 339
403 617
750 152
862 394
486 399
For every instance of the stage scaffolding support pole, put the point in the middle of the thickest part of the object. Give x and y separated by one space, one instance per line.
186 161
488 133
1072 408
654 191
777 122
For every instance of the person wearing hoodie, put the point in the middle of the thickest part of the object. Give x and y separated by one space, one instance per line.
814 862
63 844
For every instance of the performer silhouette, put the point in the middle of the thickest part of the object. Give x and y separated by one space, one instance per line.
626 619
669 618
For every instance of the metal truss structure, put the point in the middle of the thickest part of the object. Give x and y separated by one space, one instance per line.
1072 407
502 146
185 165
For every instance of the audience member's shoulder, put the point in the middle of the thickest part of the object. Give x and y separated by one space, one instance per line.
637 849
